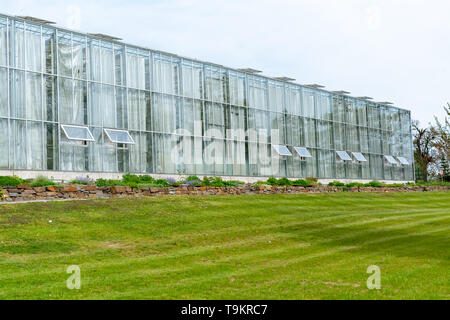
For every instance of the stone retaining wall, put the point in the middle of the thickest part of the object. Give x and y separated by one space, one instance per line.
26 193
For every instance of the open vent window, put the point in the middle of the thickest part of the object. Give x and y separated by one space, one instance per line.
302 152
403 161
77 133
390 160
119 136
343 156
282 150
359 156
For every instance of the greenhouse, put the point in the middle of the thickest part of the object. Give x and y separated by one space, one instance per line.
73 102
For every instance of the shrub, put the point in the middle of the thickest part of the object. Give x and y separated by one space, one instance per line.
10 181
41 181
108 183
374 184
284 182
272 181
312 179
395 185
354 184
162 183
216 182
336 184
192 178
146 179
301 182
130 178
207 182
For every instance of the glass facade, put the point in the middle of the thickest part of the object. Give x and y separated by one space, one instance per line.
151 112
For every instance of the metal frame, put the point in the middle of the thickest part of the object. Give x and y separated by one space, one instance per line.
295 115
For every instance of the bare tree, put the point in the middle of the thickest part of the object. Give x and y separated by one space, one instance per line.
442 132
424 149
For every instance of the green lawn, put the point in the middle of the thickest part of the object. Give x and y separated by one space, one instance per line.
308 246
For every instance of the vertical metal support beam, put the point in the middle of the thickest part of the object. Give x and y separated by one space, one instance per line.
8 63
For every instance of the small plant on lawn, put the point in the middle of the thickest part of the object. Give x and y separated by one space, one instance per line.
42 181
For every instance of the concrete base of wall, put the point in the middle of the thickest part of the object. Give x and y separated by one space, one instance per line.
65 176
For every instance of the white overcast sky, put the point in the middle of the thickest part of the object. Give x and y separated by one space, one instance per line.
391 50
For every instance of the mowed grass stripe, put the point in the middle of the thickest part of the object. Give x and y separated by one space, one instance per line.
263 228
275 263
134 266
205 249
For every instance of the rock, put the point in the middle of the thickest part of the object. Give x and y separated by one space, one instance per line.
118 189
88 188
69 189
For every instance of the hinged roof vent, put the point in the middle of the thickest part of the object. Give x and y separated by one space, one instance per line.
285 79
249 70
37 20
104 36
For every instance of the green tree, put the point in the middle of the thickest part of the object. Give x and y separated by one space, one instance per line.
445 168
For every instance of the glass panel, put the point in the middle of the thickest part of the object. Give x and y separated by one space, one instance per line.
95 60
107 63
257 93
18 103
77 133
3 42
326 164
3 92
17 45
64 54
33 48
344 155
136 71
34 96
119 136
308 103
4 143
79 57
359 156
95 102
108 106
49 45
50 107
302 152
